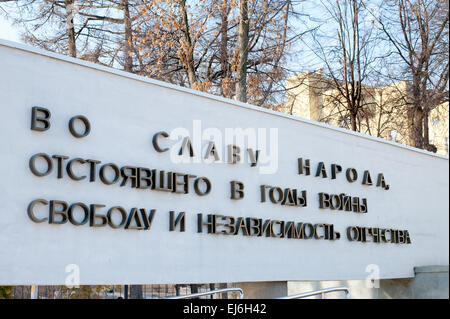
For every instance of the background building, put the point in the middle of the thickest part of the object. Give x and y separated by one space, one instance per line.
438 128
385 110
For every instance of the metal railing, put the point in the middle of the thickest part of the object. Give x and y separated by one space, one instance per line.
211 292
319 292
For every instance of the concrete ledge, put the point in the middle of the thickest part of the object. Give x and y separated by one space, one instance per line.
431 269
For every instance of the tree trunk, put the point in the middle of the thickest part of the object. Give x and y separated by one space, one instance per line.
354 121
416 117
416 127
190 49
128 37
70 28
241 84
224 44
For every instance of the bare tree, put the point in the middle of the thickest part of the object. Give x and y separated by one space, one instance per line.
348 56
418 33
39 16
201 42
91 30
237 49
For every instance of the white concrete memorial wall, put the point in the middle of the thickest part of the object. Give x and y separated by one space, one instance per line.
88 209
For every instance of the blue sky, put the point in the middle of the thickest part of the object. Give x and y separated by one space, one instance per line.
7 31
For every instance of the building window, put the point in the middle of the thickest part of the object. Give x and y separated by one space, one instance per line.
436 120
393 135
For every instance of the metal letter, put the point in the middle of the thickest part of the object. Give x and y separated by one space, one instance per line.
72 219
123 214
240 224
147 219
337 202
253 224
93 216
144 179
33 166
116 174
211 150
161 186
62 212
288 198
355 204
134 215
321 170
324 200
334 170
312 231
301 201
87 126
351 174
237 190
59 160
263 192
316 235
155 141
92 169
367 180
70 172
363 206
352 233
31 212
272 196
186 143
381 182
408 239
132 175
210 223
253 156
45 119
303 167
233 154
180 220
197 189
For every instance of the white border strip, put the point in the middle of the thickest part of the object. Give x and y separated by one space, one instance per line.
132 76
